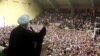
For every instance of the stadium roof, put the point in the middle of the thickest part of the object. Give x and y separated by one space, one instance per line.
69 3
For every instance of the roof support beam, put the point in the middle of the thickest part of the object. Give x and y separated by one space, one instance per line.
53 3
71 6
92 3
93 8
69 3
38 3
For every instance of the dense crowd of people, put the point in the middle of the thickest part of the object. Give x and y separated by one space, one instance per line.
4 35
72 42
79 20
63 43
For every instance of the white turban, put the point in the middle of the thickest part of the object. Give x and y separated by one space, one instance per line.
24 19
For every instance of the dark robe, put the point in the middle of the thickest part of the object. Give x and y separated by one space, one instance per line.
38 41
21 42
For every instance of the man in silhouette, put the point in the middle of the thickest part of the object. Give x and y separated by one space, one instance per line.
24 42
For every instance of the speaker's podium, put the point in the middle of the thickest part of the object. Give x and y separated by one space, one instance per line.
96 34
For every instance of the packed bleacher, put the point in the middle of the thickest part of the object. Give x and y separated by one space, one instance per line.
5 34
75 41
80 20
65 43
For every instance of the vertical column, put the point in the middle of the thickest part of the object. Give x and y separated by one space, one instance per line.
71 6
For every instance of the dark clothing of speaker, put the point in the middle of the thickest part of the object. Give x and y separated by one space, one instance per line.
22 42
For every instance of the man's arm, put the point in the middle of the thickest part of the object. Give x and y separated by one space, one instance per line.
43 32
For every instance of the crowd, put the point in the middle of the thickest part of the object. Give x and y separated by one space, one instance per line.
4 35
79 20
63 43
72 42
